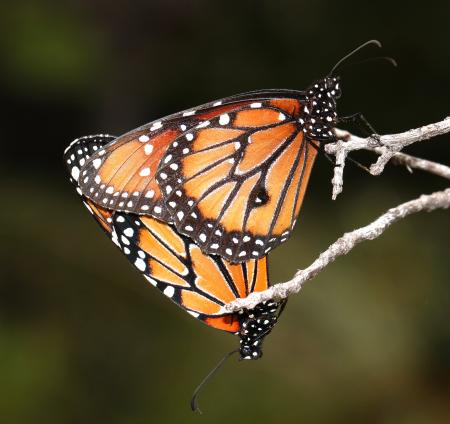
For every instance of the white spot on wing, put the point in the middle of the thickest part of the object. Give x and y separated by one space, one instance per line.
148 149
151 280
75 173
140 264
97 162
169 291
129 232
203 124
156 126
224 119
145 172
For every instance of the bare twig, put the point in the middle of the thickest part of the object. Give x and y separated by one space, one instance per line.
412 162
343 245
387 146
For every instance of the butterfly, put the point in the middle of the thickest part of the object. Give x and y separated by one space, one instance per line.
230 174
201 284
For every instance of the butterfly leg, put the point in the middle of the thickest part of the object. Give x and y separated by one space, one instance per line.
359 119
321 149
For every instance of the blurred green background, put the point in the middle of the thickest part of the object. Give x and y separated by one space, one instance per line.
83 338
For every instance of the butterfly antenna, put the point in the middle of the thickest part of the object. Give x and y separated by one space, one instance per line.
194 400
367 43
391 60
358 164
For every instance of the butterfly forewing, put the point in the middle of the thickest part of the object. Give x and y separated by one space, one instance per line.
230 174
235 182
80 150
121 175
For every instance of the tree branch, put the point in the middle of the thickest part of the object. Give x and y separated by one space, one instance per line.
387 147
412 162
342 246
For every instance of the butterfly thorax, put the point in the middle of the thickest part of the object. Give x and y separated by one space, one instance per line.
256 324
319 116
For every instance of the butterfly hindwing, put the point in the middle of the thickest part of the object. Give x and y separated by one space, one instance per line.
199 283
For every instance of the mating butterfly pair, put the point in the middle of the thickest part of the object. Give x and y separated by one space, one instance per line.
215 179
199 283
196 200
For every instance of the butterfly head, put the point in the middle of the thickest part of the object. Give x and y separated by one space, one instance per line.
325 88
257 324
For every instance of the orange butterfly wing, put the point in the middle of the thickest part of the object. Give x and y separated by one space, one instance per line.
230 174
235 182
199 283
121 175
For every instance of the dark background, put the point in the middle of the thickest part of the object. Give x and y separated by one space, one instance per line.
83 338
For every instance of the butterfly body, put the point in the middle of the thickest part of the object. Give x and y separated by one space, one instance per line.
257 324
